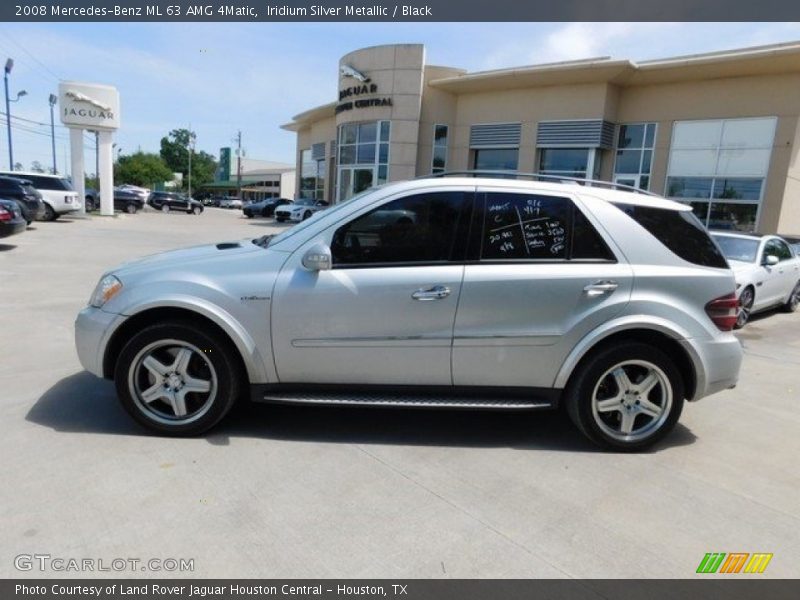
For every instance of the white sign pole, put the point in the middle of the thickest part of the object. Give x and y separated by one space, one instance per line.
77 166
106 175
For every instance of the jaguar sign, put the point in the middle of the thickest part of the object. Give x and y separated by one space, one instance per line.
89 105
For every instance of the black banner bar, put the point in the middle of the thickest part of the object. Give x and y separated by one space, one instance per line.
409 11
713 588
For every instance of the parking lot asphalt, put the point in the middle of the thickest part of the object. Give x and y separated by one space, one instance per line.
345 492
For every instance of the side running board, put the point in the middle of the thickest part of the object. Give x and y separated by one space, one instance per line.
402 400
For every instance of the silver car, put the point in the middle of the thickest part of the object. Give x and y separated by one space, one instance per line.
497 294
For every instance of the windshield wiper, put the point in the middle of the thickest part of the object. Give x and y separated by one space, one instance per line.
263 241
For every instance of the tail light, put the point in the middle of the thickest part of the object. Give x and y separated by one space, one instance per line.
5 215
724 311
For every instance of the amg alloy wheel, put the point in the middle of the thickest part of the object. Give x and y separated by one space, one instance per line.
626 396
177 380
746 299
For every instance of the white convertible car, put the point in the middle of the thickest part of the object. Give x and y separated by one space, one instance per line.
767 272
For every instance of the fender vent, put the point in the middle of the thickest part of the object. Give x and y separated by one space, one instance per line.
228 245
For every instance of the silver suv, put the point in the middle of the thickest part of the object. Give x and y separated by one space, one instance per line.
451 292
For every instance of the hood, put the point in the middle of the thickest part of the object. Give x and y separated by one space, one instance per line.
740 266
187 256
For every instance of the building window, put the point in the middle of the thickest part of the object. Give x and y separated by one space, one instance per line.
496 159
363 157
439 160
570 162
634 157
720 167
308 175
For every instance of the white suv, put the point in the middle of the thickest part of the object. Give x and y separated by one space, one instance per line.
482 294
57 192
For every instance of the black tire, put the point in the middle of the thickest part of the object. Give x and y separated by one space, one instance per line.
593 376
49 213
212 356
306 215
130 208
90 204
746 299
165 208
248 215
794 300
197 210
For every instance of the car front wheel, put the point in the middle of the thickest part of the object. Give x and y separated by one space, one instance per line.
746 299
197 210
625 397
49 213
175 379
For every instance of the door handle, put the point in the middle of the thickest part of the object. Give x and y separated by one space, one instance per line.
598 288
437 292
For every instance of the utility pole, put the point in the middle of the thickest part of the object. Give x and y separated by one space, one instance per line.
53 99
192 139
7 70
97 158
239 164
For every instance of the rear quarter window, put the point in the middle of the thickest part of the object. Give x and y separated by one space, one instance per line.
49 183
680 231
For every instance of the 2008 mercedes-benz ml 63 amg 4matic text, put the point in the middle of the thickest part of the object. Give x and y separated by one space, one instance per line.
457 292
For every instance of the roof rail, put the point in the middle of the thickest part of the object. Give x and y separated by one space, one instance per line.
504 174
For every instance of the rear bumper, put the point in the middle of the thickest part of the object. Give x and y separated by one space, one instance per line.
9 228
717 363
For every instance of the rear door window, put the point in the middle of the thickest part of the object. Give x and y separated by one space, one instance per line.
532 227
680 231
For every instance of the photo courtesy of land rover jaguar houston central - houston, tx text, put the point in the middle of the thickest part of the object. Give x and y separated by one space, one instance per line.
452 291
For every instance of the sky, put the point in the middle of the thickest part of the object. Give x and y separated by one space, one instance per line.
218 78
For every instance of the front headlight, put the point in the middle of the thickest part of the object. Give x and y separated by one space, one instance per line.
108 287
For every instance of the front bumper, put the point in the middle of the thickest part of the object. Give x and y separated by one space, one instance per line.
93 329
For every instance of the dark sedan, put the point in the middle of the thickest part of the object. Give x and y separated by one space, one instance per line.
167 201
124 200
27 198
11 219
264 208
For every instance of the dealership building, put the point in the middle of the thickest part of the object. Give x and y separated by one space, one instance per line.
719 131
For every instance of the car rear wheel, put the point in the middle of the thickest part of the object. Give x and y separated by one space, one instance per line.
794 300
165 208
49 213
746 299
197 210
176 379
625 397
130 208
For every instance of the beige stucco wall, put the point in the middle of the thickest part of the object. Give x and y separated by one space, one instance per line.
399 72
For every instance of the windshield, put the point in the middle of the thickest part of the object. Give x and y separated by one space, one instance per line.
736 248
313 219
305 202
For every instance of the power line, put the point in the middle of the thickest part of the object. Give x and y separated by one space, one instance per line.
36 60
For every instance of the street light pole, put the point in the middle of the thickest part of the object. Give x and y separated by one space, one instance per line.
53 99
9 66
192 138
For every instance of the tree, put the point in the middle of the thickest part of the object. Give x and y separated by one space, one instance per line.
175 150
37 167
141 168
18 166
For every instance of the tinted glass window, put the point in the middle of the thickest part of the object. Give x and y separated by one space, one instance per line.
586 242
49 183
525 226
680 231
416 229
496 159
777 248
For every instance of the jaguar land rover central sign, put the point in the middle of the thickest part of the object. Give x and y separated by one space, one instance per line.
88 105
91 107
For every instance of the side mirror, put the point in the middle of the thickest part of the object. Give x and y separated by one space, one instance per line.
318 258
771 260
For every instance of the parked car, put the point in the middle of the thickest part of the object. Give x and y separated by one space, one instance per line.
127 201
767 272
299 210
499 294
91 198
167 201
143 193
28 199
57 193
264 208
230 202
11 220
